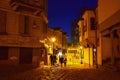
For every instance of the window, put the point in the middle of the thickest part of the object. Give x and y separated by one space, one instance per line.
2 22
85 25
24 24
44 27
118 48
3 53
92 23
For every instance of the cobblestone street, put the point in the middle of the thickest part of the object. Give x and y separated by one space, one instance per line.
58 73
59 39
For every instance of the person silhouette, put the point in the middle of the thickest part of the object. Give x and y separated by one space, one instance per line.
51 59
61 60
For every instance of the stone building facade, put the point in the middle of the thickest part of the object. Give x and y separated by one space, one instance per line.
23 23
64 42
104 37
109 25
74 33
88 37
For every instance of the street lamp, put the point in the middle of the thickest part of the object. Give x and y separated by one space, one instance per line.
81 55
53 40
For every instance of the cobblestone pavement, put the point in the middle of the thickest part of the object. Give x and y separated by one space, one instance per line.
91 74
40 74
26 73
64 73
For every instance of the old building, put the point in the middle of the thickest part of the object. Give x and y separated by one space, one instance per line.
59 45
109 25
58 35
100 33
64 42
74 33
23 23
88 37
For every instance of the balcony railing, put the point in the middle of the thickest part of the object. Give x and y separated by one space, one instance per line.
19 5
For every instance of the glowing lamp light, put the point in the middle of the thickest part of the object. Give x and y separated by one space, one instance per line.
53 39
94 50
81 47
60 54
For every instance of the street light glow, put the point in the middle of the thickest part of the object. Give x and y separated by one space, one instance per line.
53 39
60 54
81 47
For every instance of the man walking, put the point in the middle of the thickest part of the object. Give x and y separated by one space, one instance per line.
51 59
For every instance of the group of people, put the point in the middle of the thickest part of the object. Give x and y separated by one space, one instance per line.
62 60
53 59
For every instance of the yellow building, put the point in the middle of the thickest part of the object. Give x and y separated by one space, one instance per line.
23 23
87 32
75 56
109 25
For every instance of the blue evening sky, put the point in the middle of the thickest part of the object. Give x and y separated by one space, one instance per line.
62 12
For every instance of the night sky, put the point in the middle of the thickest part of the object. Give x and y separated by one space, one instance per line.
62 12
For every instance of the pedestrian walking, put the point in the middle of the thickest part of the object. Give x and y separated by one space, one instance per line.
65 61
51 59
54 59
61 60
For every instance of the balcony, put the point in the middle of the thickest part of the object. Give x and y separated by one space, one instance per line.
21 6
